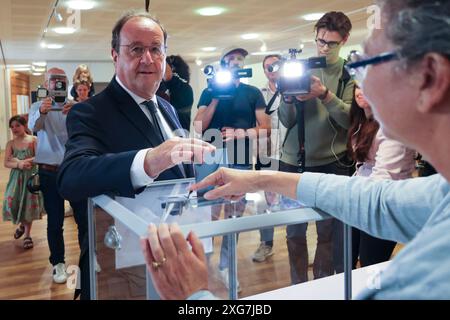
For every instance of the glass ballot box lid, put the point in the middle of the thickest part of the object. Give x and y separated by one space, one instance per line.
118 224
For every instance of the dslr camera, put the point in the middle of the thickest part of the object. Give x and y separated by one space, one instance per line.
295 74
57 90
221 82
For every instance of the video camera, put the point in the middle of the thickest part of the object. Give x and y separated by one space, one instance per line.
57 90
221 82
295 77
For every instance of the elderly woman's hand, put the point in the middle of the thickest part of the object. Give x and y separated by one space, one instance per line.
177 271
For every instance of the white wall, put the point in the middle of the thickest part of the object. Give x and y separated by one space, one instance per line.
102 71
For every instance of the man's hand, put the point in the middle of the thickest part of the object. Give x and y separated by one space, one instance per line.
173 152
232 133
230 184
317 90
46 105
67 107
179 272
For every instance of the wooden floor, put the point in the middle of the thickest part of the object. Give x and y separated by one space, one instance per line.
27 274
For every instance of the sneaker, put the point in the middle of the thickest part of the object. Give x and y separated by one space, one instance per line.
59 273
262 253
223 275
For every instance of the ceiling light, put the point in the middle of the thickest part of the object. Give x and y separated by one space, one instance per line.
39 64
38 69
43 44
64 30
81 4
249 36
209 49
198 62
37 73
210 11
313 16
263 48
20 67
54 46
264 53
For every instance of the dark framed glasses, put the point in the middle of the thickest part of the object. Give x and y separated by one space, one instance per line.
358 63
330 44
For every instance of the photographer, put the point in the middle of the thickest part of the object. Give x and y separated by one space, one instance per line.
176 89
326 110
269 151
240 119
48 119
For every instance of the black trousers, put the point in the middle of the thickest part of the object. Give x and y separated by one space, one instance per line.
371 250
54 206
329 256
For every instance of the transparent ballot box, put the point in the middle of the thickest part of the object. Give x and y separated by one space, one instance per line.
230 232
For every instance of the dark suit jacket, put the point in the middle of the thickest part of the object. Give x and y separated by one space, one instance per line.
105 133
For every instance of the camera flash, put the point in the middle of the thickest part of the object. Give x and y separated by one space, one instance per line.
293 70
223 77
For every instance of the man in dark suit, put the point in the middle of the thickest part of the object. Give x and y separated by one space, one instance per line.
125 137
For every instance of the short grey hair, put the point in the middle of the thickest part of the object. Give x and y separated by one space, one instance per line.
418 27
115 41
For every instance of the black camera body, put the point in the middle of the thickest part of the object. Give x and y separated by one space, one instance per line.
295 78
221 83
57 90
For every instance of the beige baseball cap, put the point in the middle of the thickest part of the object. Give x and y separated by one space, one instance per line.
232 49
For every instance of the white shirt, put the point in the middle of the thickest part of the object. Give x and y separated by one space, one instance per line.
51 134
139 177
278 131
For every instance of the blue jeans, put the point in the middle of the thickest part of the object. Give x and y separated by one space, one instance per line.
54 206
230 210
266 235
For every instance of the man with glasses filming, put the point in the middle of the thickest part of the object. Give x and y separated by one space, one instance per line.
323 139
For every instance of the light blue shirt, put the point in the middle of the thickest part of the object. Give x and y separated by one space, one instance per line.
414 211
51 133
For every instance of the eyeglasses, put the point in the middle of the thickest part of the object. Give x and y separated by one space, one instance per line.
138 50
358 63
331 44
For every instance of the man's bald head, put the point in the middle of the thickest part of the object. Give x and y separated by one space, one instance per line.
53 71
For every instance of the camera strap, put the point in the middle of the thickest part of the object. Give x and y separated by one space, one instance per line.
343 80
301 156
271 102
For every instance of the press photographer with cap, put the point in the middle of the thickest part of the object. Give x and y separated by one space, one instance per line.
48 119
409 57
239 120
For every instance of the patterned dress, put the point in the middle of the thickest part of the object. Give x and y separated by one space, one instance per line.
19 205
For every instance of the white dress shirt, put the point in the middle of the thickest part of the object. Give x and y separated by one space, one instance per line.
139 177
51 133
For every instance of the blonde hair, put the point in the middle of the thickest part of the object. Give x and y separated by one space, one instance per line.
78 77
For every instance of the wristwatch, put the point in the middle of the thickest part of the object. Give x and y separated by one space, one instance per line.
324 96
